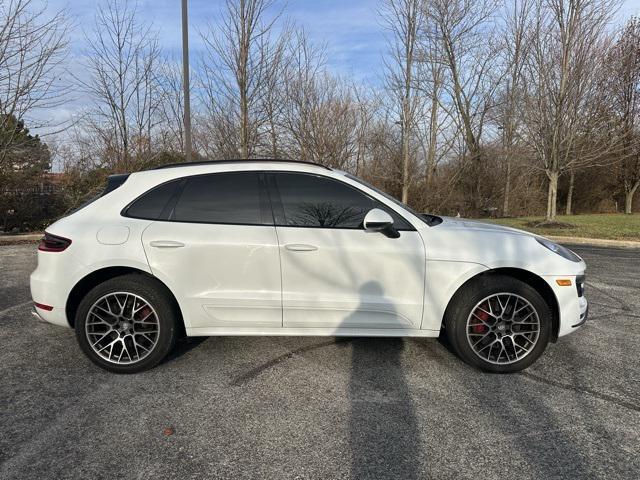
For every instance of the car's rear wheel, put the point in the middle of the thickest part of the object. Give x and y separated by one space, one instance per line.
126 324
499 324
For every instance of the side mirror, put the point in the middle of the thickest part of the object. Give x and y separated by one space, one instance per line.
377 220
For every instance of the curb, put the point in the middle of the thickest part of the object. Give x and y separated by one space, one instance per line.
20 239
595 242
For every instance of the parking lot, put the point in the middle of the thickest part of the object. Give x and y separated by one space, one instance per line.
324 408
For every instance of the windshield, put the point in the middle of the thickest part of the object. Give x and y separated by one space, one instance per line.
427 218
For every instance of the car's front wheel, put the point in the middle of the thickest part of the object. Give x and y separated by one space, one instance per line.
499 324
126 324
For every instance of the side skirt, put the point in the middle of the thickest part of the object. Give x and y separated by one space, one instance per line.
309 332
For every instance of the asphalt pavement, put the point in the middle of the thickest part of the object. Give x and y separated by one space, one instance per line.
321 408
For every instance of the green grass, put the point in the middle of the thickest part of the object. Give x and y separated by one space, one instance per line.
614 226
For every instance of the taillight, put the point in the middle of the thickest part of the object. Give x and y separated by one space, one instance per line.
53 243
42 306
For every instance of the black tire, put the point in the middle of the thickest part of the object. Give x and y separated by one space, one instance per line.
465 300
157 298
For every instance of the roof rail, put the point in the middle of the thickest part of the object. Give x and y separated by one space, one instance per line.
237 160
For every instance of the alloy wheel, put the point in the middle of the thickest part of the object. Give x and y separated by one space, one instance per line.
122 328
503 328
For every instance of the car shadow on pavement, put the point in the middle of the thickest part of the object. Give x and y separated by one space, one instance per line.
383 428
527 419
183 346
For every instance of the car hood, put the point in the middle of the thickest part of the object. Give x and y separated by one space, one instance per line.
452 223
494 246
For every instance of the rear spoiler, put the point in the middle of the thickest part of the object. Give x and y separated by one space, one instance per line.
113 182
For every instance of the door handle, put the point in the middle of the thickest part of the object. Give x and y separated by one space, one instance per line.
166 244
300 247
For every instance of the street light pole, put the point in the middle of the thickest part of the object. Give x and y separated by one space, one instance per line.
185 82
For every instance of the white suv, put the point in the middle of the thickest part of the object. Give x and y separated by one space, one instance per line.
291 248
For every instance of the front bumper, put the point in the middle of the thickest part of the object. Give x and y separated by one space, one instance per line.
584 312
572 309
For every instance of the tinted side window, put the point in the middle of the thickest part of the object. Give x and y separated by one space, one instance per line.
315 201
151 204
233 198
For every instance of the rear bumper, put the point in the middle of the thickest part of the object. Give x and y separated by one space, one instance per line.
57 315
52 291
36 315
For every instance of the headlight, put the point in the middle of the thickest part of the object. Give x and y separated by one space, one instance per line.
559 249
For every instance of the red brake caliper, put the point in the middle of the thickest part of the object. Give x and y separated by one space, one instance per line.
482 315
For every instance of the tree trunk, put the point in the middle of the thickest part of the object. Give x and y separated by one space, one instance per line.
476 166
570 193
274 136
405 151
243 80
405 148
433 131
431 172
552 196
507 187
628 200
244 125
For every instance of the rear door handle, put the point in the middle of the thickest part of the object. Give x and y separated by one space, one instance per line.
166 244
300 247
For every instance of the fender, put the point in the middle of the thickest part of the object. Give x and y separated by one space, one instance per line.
443 279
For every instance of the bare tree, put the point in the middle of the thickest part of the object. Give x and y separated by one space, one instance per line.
274 98
404 20
122 64
563 70
33 46
515 50
434 122
304 65
624 61
237 67
333 122
367 105
171 105
464 31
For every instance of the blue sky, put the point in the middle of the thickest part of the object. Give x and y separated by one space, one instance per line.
350 30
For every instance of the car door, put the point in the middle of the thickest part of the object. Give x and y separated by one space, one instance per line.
218 252
334 273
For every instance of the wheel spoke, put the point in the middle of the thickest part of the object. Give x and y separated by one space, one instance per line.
481 339
490 313
108 312
144 318
100 339
502 307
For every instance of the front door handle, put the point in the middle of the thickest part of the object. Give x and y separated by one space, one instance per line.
300 247
166 244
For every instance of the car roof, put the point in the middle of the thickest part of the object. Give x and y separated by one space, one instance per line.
231 161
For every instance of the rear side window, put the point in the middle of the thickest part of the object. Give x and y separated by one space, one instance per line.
231 198
151 205
315 201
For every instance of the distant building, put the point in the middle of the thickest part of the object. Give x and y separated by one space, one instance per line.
50 182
